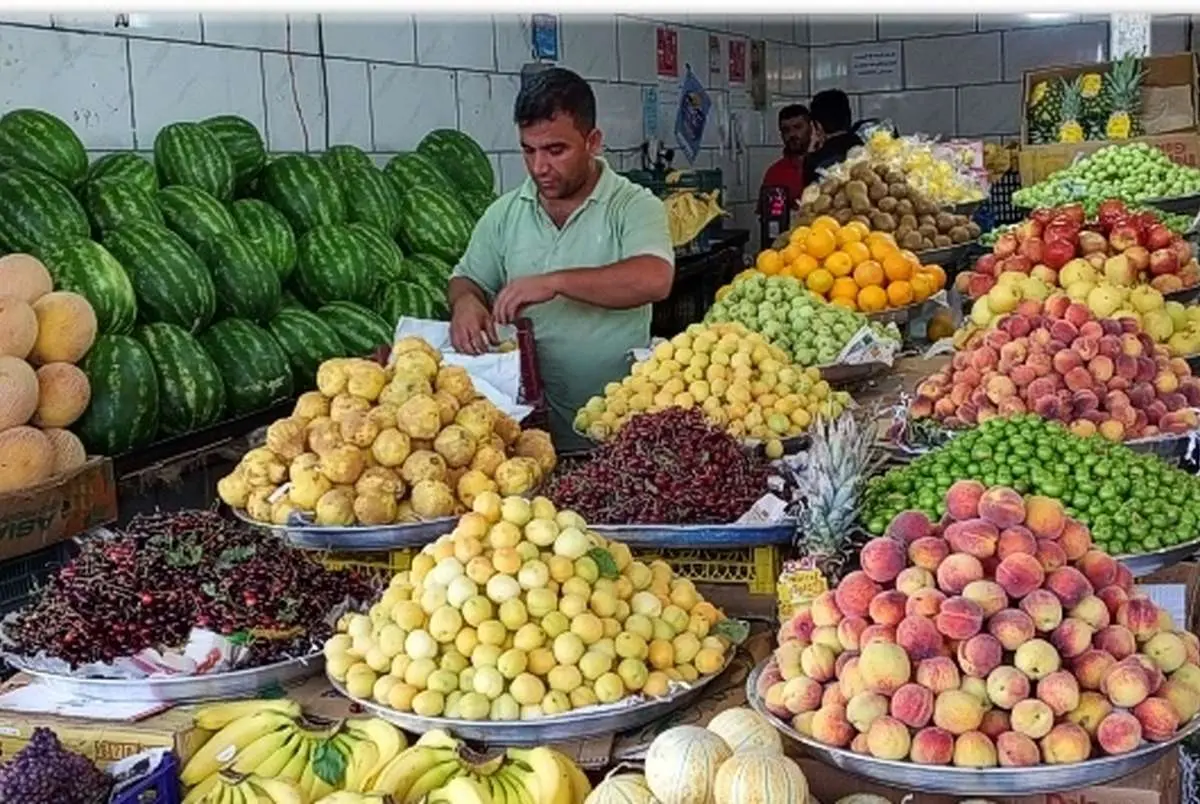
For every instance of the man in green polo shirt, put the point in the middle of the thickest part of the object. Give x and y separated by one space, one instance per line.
579 250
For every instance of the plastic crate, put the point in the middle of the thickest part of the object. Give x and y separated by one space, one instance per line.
21 577
999 209
158 785
696 287
702 181
755 567
387 562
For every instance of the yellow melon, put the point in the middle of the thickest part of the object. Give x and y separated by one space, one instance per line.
69 452
681 765
759 777
26 458
63 395
745 730
66 328
18 327
18 392
25 277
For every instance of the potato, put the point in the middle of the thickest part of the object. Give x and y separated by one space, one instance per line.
418 363
384 415
536 444
332 377
507 428
423 465
942 241
419 417
344 404
282 510
359 429
324 435
258 506
391 447
432 499
379 480
456 445
375 509
905 207
479 418
233 489
288 437
336 507
456 381
473 483
343 464
366 380
447 406
310 405
960 234
412 344
308 486
516 476
487 458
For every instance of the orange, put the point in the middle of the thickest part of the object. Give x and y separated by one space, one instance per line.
863 230
844 301
826 222
820 243
839 263
859 252
896 267
880 249
872 299
769 262
844 286
922 286
804 265
900 293
799 235
790 252
848 234
912 258
868 273
938 274
819 281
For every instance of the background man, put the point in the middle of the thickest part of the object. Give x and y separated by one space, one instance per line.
579 250
795 131
831 116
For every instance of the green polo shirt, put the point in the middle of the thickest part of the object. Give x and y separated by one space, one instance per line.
581 347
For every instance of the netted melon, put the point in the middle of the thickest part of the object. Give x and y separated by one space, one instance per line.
69 453
66 328
18 327
25 277
63 395
18 392
26 458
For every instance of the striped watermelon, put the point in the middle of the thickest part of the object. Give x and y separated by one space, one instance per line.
384 257
37 140
304 190
189 155
434 222
332 265
123 412
371 197
191 393
429 272
247 286
405 299
416 170
85 267
242 142
193 214
359 330
254 368
288 300
477 202
307 341
339 157
460 158
171 283
129 166
268 231
35 209
111 202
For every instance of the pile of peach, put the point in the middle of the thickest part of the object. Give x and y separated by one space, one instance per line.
965 643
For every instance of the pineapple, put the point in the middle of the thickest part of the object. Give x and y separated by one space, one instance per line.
1093 110
1045 104
1124 100
1070 130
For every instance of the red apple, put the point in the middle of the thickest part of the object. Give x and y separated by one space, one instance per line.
1109 212
1164 261
1058 253
1123 236
1018 263
1033 248
1072 212
1158 236
1183 250
1092 243
1042 215
1006 245
1027 229
1139 258
986 264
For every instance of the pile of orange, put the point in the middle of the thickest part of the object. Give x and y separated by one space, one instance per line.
853 266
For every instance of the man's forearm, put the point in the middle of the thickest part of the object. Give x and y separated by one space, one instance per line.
619 286
461 287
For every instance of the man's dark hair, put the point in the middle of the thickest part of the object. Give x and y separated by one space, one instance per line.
555 91
792 111
831 108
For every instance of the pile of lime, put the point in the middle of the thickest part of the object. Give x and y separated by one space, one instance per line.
1132 502
1132 173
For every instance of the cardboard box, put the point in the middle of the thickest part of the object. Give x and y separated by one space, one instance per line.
1036 162
57 510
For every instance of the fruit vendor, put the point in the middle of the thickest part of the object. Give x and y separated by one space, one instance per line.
578 249
795 130
832 120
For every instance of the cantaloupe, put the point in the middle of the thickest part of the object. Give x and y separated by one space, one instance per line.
66 328
25 277
746 730
759 777
26 458
624 788
68 450
18 392
18 327
681 765
63 395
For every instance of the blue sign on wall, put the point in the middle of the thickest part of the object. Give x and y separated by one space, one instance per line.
545 36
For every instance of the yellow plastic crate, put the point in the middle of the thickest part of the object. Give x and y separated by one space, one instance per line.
756 567
387 561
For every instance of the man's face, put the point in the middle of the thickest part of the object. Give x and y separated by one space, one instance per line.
558 155
795 133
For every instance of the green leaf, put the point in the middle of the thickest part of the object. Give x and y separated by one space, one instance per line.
328 763
736 631
604 562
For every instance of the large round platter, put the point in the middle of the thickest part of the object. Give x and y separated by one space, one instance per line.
1171 448
1183 296
969 782
700 537
594 721
180 689
380 537
946 256
847 373
1142 564
1179 205
902 315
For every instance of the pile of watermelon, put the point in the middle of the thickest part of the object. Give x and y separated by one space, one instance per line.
222 275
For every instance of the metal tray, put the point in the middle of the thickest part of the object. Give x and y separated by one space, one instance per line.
847 373
592 722
946 256
1183 296
214 687
902 315
702 537
1180 205
1142 564
356 538
968 782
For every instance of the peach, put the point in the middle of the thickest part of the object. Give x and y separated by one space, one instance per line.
913 579
1126 685
977 687
888 738
802 625
827 635
1158 718
1189 674
882 559
802 694
1012 627
1167 650
1071 586
912 705
859 744
1045 516
769 677
1092 611
843 659
1032 718
1037 659
864 708
1075 539
774 700
974 749
824 609
962 499
995 722
803 723
959 618
849 630
1016 539
1019 574
1091 711
1065 744
787 659
1044 607
853 595
1140 616
956 571
1099 568
1125 576
1191 643
1119 733
919 637
979 655
817 662
1091 667
940 674
1116 640
908 526
885 667
976 537
832 696
1059 691
957 712
849 679
932 746
1184 699
1154 674
1050 555
1007 686
988 594
1015 750
829 726
887 607
1002 506
876 633
924 602
1071 638
928 552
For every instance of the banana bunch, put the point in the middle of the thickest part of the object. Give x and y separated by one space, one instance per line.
689 212
233 788
268 740
434 771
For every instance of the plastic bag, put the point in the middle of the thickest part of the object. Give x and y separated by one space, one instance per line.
694 108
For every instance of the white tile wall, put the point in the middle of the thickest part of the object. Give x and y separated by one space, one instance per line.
989 110
349 103
1070 44
460 41
295 102
376 38
485 109
409 101
296 33
952 60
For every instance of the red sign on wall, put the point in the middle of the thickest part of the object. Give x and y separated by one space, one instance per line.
737 61
668 52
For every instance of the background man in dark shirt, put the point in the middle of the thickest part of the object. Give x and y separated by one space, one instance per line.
795 130
831 117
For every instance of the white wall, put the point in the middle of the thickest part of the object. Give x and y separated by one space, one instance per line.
385 81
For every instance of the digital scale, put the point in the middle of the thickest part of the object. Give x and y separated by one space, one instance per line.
775 213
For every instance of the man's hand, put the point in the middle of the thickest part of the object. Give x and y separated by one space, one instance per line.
472 327
522 292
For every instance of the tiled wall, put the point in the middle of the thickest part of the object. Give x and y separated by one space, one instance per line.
384 82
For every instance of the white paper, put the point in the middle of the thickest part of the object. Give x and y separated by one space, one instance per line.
768 510
1171 597
43 699
496 375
